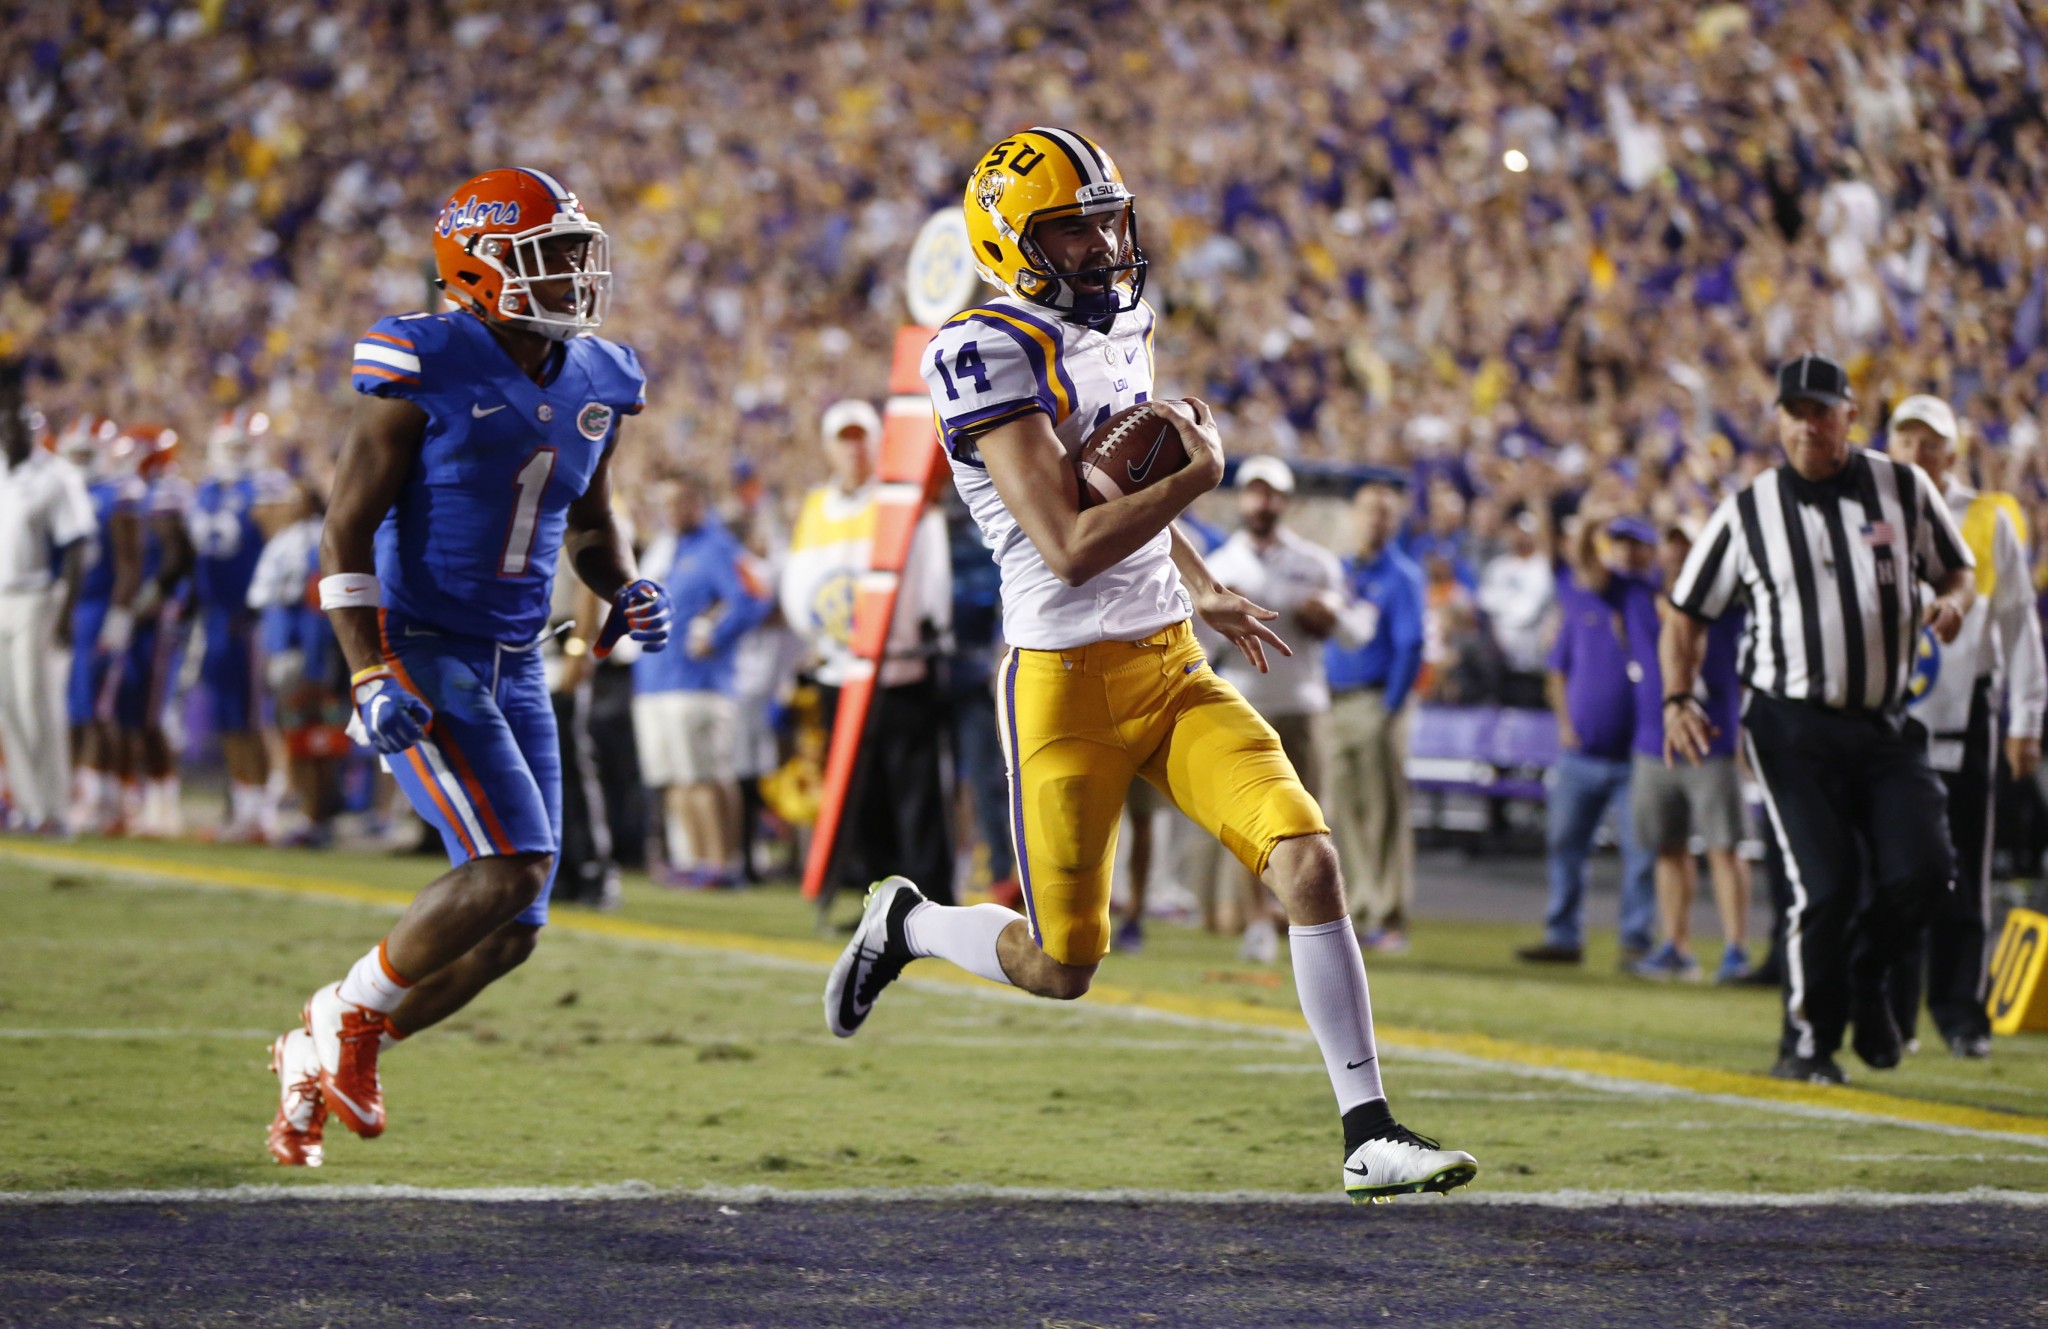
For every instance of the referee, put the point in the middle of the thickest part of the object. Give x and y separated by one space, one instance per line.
1829 552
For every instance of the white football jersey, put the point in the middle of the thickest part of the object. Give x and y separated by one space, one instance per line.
1005 359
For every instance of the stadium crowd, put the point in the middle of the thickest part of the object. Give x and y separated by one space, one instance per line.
1530 256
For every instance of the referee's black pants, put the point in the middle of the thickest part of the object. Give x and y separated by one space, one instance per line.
1845 790
1955 951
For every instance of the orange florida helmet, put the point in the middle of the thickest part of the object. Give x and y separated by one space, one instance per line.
499 236
87 442
147 450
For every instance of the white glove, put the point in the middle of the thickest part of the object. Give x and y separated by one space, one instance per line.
115 630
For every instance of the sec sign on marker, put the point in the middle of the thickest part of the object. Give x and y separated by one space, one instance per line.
2019 999
942 277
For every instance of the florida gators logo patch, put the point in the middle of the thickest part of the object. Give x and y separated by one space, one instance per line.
475 215
594 421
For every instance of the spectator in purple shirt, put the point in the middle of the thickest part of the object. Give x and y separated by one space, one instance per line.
1673 803
1588 686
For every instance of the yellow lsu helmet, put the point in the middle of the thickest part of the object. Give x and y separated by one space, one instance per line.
1038 174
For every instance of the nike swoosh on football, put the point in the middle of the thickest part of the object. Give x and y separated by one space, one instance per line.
477 411
1139 471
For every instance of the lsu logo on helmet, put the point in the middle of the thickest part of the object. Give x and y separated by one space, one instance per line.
1040 174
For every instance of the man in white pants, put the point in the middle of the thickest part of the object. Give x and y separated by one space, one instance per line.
45 519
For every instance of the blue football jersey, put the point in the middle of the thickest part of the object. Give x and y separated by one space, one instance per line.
108 496
470 546
225 538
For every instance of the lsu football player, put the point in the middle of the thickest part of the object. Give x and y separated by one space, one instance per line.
480 450
1105 682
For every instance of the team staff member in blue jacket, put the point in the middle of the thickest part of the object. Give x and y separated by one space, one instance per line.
685 718
1372 660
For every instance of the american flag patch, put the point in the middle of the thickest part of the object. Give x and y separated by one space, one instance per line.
1878 534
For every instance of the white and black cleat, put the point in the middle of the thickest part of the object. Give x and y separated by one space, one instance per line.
875 956
1404 1163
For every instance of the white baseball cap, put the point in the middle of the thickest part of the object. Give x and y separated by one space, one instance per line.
1268 469
1930 411
851 413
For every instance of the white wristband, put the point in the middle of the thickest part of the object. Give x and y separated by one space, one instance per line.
350 590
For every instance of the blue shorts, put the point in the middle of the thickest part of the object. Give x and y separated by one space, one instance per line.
89 663
488 774
228 669
149 669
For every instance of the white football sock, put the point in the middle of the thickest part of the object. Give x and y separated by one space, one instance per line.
373 984
1329 977
965 935
241 805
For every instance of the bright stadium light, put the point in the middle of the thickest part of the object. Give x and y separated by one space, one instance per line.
1514 160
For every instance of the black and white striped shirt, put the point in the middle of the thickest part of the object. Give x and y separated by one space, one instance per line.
1832 574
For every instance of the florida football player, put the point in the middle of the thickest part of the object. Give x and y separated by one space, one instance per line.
481 449
1105 682
152 572
88 443
235 509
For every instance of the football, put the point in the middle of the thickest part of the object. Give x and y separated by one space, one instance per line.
1133 449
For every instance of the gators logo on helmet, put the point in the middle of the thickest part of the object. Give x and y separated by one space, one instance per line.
498 237
1039 174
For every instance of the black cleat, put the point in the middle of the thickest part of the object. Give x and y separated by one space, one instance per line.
1974 1047
1814 1070
1876 1037
875 956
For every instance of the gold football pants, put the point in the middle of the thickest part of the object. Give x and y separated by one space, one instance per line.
1079 724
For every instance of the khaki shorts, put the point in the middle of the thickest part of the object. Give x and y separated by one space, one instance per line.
1672 804
686 738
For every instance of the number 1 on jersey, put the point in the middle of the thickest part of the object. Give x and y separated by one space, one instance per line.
531 482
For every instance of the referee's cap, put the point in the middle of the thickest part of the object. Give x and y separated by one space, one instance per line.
1812 377
1928 410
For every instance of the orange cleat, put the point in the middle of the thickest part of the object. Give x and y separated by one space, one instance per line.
297 1130
346 1039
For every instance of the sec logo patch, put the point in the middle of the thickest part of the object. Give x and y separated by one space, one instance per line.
594 421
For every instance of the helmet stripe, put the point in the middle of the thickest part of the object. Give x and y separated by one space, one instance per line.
1078 152
554 186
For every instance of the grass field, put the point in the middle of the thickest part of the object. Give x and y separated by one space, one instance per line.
683 1046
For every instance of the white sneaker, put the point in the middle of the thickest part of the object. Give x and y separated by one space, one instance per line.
1403 1163
875 956
296 1132
1261 942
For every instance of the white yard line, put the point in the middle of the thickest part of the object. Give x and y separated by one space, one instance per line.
728 1196
262 1035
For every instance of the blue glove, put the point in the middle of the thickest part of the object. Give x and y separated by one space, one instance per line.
642 608
392 715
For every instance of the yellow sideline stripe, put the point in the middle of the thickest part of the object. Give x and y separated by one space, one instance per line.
1588 1061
